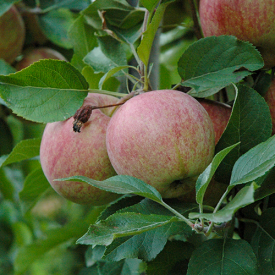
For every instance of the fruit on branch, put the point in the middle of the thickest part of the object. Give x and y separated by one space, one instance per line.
12 35
64 153
248 20
270 100
161 137
35 54
219 114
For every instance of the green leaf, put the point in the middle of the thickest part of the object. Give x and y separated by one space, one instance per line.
125 267
213 63
47 91
243 198
173 252
122 225
25 149
5 5
228 256
122 185
110 54
110 74
144 49
35 186
149 4
147 244
7 189
205 178
111 84
115 12
249 124
55 25
263 242
255 163
6 68
83 39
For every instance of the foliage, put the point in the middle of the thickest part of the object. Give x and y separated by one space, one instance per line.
111 47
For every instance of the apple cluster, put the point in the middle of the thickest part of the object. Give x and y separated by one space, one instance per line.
166 138
15 24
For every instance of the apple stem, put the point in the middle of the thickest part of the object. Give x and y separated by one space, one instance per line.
83 114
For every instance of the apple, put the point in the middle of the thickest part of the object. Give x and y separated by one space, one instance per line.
219 114
35 54
164 138
270 100
248 20
12 35
65 153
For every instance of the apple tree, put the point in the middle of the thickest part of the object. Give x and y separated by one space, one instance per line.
137 137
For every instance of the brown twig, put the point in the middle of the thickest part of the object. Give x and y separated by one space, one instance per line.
197 28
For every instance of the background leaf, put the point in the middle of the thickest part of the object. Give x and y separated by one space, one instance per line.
263 242
223 256
249 124
55 25
213 63
25 149
50 96
35 186
83 40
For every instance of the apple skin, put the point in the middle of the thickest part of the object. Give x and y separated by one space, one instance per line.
161 137
270 100
64 153
36 54
219 114
248 20
12 35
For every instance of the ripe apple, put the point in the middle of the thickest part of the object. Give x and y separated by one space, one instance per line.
219 114
35 54
12 35
270 100
249 20
65 153
161 137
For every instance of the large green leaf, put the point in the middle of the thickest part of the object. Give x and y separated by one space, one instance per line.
249 124
47 91
6 68
243 198
213 63
263 242
122 185
223 256
123 225
25 149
